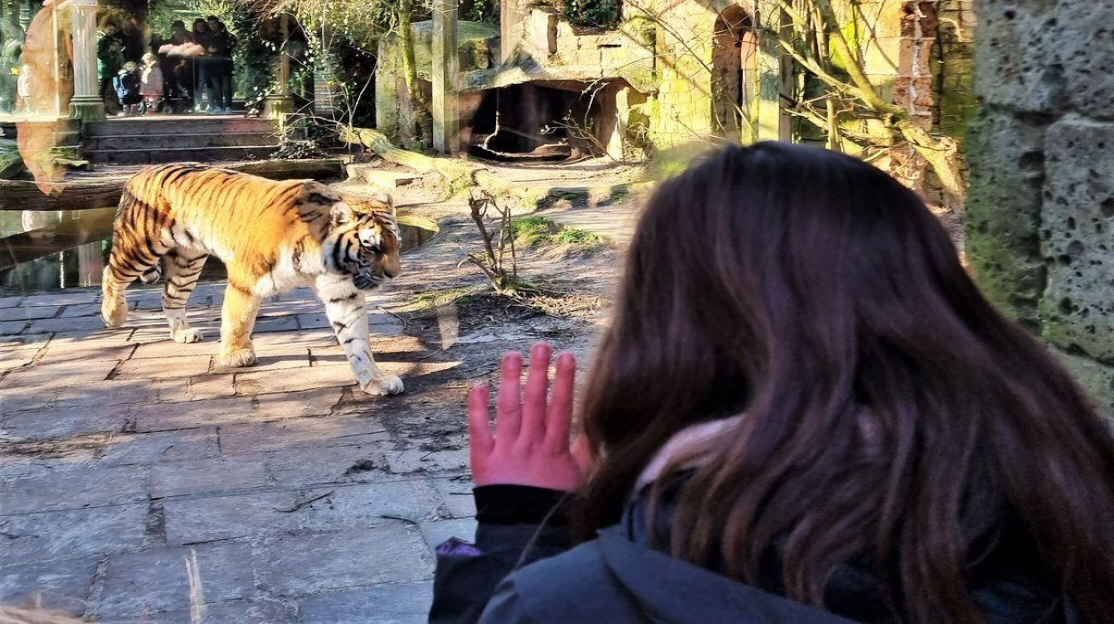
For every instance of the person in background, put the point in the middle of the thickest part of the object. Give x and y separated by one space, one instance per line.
151 84
183 78
25 88
132 35
200 36
803 410
127 86
110 58
220 46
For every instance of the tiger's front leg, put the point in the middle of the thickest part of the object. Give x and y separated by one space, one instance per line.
347 312
237 320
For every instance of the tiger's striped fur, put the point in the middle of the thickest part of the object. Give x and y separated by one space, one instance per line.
272 237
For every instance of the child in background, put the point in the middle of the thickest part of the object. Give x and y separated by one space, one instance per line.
127 89
23 88
151 83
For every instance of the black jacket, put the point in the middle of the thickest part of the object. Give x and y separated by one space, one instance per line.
520 571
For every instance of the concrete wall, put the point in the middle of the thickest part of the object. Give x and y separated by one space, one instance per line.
1040 221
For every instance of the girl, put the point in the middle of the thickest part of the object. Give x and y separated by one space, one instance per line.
804 410
151 83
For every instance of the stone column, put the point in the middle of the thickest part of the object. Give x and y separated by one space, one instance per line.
86 103
278 105
771 123
446 122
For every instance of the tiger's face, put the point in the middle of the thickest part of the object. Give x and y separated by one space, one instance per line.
365 241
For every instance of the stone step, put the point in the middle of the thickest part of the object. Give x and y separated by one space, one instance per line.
383 178
149 126
187 154
169 141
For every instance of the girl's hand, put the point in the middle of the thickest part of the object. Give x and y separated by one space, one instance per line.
530 445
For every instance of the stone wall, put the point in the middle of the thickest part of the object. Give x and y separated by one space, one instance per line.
1040 229
953 67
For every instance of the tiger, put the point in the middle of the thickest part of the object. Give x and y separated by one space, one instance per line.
272 236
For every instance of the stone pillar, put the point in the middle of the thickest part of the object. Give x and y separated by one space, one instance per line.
770 121
86 103
278 105
446 120
1040 211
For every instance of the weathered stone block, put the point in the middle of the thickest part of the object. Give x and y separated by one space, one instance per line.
1023 43
302 466
1078 237
72 534
326 508
206 476
158 580
300 565
73 488
27 314
1087 56
58 585
389 603
149 448
63 422
190 414
280 435
1003 211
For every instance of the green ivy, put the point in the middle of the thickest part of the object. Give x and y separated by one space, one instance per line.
597 13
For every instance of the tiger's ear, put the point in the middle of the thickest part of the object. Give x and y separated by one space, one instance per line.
342 213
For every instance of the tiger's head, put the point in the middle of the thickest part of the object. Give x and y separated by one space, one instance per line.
365 240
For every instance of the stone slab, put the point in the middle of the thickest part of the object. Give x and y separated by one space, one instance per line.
158 580
73 488
63 585
59 352
81 309
72 534
304 564
52 424
310 465
65 324
260 382
161 368
319 432
207 476
26 314
233 611
192 414
149 448
389 603
326 508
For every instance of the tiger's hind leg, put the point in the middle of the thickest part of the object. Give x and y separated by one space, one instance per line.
237 321
183 268
134 255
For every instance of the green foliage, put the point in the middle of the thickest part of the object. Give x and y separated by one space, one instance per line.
596 13
538 231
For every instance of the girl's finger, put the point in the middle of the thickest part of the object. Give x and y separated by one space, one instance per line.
508 404
479 423
533 406
559 415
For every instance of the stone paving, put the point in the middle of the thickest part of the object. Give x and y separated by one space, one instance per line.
139 480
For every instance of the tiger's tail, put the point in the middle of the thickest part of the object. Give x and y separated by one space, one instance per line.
136 251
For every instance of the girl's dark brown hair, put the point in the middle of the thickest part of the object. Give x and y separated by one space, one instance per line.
892 414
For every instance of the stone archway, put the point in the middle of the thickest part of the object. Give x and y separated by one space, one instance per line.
734 70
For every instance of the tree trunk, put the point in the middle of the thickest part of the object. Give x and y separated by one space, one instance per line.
419 107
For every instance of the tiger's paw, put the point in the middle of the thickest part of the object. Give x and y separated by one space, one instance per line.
114 312
186 336
241 357
383 386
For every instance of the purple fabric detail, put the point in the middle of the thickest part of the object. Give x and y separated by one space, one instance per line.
455 546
